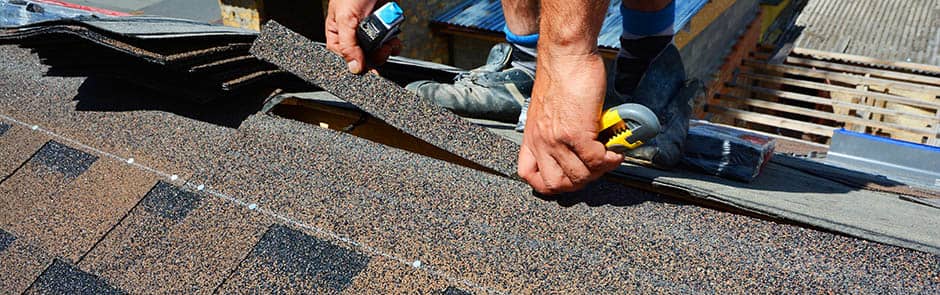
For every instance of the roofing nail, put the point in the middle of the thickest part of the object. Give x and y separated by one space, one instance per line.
200 187
174 177
34 127
416 264
252 206
130 160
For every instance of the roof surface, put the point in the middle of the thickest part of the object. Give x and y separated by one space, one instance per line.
145 201
894 30
487 15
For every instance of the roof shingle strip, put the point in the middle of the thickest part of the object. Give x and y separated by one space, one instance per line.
288 260
64 278
66 215
158 248
6 238
20 263
63 159
384 99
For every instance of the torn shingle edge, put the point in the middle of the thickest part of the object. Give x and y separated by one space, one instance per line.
386 100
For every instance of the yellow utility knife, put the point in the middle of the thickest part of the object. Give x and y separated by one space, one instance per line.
628 126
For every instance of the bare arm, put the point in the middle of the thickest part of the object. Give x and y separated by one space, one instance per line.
560 152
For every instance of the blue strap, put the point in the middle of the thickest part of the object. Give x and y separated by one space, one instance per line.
527 40
647 23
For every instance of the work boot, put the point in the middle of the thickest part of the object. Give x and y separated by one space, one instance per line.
662 87
494 91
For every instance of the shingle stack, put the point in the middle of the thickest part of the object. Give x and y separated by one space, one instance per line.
203 62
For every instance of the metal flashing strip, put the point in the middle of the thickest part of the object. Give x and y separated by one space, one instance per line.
895 159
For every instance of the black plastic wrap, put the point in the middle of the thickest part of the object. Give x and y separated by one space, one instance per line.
727 152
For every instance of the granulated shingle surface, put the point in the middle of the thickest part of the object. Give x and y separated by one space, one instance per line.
493 234
390 276
63 159
17 146
6 238
170 202
150 253
115 117
66 211
286 260
450 225
64 278
455 291
20 264
384 99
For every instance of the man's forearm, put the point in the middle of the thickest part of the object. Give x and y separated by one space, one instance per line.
570 27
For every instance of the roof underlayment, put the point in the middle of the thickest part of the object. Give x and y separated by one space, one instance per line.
281 205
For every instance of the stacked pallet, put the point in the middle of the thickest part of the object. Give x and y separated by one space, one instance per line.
807 94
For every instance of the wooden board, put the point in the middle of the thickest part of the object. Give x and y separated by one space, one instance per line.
808 97
825 55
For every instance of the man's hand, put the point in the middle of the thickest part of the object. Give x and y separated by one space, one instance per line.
559 151
343 16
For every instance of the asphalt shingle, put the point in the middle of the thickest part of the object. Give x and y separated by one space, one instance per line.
170 202
20 264
116 117
64 278
385 100
6 238
288 260
63 159
17 146
152 252
488 233
450 225
67 213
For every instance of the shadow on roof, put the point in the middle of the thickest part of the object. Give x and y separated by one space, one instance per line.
106 94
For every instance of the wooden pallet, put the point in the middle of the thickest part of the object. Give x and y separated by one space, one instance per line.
807 96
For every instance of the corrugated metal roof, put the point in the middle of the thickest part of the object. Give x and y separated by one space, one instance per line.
894 30
487 15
